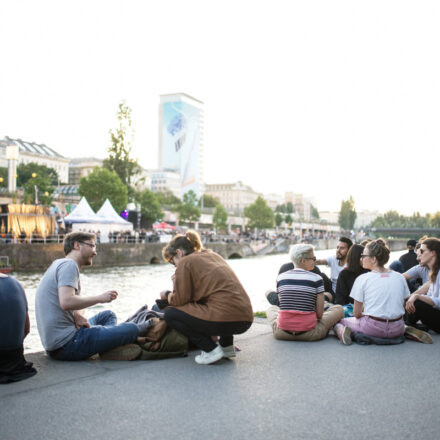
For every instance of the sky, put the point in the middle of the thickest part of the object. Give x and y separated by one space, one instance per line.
324 98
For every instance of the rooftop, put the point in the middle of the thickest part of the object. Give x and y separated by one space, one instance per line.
31 147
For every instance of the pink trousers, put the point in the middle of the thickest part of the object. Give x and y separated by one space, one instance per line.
371 327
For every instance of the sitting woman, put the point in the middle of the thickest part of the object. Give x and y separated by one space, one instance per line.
207 300
427 307
348 275
379 298
300 315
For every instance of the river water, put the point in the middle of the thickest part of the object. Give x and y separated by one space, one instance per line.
139 285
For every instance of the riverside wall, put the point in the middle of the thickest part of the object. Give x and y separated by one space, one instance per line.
39 256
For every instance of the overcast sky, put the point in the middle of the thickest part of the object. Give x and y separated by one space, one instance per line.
325 98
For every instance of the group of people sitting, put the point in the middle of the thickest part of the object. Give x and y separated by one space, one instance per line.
209 305
365 297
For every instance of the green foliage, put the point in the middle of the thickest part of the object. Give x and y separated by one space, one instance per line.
392 219
208 201
259 214
260 314
150 206
168 199
119 159
285 208
314 212
4 176
25 171
435 220
347 214
31 175
220 217
288 219
278 219
101 184
188 209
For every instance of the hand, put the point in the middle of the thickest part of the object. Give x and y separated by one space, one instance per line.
80 320
409 306
163 294
108 296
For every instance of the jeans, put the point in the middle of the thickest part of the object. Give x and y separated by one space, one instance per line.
102 335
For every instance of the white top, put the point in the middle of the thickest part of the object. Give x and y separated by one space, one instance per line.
382 294
434 292
333 262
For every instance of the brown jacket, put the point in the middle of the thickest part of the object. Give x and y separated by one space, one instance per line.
206 287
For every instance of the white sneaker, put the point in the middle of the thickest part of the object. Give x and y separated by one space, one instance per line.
229 352
210 357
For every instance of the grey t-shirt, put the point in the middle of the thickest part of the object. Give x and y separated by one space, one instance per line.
333 262
419 272
55 325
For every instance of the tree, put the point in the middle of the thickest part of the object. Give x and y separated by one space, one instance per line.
3 177
188 209
314 212
101 184
220 217
150 206
208 201
288 219
119 159
278 219
347 214
167 198
43 189
27 171
259 214
434 221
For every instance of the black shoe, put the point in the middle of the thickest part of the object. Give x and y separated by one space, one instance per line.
421 327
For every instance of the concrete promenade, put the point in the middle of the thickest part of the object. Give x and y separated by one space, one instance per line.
272 390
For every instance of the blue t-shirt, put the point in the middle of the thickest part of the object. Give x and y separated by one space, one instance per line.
13 308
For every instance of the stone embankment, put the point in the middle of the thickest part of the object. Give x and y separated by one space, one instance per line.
39 256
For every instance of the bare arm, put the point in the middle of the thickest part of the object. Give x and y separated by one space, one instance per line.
319 305
321 262
358 308
70 301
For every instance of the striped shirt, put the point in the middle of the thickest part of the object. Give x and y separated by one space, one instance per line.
297 290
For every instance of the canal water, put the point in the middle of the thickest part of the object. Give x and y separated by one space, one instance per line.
139 285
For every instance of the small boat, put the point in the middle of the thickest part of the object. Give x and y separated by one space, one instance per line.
5 267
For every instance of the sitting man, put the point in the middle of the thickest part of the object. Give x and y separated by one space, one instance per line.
14 327
64 331
300 315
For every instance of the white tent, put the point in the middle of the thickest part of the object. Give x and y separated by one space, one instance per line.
111 221
82 218
83 213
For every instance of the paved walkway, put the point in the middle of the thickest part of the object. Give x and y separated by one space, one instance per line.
272 390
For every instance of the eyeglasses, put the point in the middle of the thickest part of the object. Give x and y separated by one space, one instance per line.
365 255
310 258
93 246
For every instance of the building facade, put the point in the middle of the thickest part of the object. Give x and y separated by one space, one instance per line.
82 167
233 196
162 180
37 153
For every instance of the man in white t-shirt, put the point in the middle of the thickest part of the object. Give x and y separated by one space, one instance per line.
337 262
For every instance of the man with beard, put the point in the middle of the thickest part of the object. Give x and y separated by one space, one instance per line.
337 262
64 331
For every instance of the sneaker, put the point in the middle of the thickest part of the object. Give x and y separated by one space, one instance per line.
127 352
229 352
417 335
272 297
343 333
210 357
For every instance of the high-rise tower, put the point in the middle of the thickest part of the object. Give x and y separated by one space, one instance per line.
181 139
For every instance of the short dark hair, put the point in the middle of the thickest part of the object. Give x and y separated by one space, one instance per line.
347 241
411 243
70 239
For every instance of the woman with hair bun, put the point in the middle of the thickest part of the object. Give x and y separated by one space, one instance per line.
379 298
427 307
207 300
